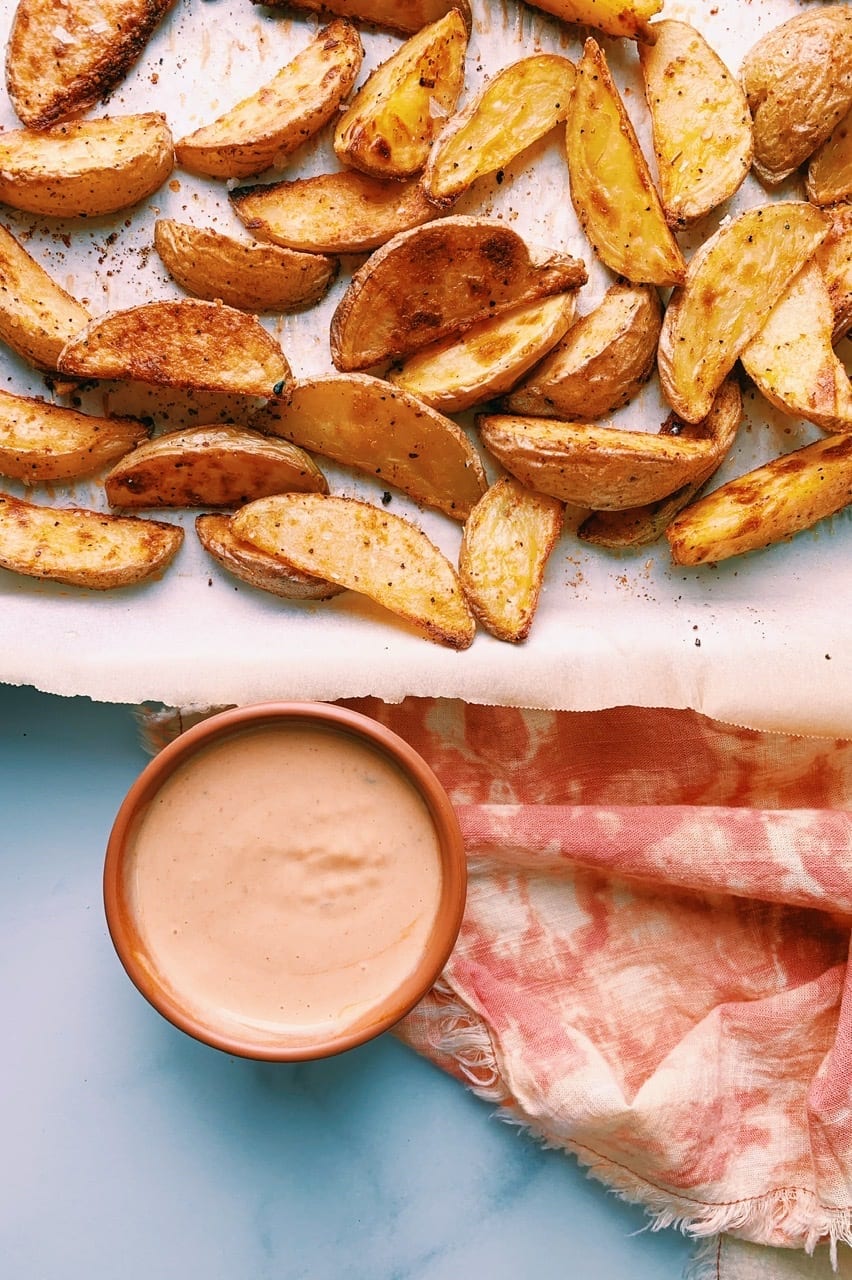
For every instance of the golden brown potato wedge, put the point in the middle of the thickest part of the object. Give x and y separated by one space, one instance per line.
332 213
732 284
506 544
700 121
629 18
86 168
37 316
792 361
437 280
201 345
798 83
83 548
364 423
402 16
522 102
368 550
210 467
396 115
41 442
834 258
266 128
602 361
612 191
252 277
488 358
61 59
603 467
256 567
830 169
766 505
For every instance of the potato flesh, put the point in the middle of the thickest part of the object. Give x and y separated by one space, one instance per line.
518 106
367 550
629 18
488 359
41 442
252 277
344 212
83 548
256 567
732 283
830 169
403 16
767 505
700 121
394 118
364 423
506 544
834 258
37 316
267 127
613 194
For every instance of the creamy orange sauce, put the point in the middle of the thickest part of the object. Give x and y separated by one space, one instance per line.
285 877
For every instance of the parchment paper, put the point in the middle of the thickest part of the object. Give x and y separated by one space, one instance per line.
760 641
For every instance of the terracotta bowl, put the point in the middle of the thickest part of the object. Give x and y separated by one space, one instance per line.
170 992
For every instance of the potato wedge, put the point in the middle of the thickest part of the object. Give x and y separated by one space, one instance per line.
41 442
192 344
612 191
366 549
488 358
252 277
86 168
267 127
602 361
61 59
700 122
834 258
437 280
522 103
792 361
364 423
506 544
767 505
83 548
608 468
732 284
394 118
210 467
830 168
333 212
798 84
37 316
402 16
628 18
256 567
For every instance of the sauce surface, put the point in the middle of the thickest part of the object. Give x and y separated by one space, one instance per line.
285 877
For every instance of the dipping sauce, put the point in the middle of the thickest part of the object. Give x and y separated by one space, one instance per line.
285 877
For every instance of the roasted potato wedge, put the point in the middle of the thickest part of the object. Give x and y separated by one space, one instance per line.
798 84
61 59
86 168
193 344
366 549
41 442
612 191
266 128
830 169
332 213
518 106
364 423
506 544
256 567
834 258
83 548
629 18
488 358
766 505
700 122
210 467
792 361
732 283
402 16
437 280
252 277
396 115
602 361
37 316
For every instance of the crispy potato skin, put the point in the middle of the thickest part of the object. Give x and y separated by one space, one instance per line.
402 16
829 176
258 569
834 258
41 442
37 316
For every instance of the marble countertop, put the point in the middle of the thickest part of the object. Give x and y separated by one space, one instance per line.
130 1150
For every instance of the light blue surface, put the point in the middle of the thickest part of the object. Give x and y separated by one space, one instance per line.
130 1152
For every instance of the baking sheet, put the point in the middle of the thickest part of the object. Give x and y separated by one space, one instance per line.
761 640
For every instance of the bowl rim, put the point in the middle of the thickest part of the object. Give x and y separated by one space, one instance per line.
219 726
